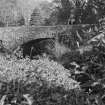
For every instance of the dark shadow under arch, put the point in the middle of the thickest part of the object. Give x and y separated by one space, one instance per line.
37 47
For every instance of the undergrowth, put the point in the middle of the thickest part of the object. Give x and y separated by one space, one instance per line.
27 82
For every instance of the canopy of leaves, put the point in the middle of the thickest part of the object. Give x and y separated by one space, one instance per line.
79 11
36 18
10 15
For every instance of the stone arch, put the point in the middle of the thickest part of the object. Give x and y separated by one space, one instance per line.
38 47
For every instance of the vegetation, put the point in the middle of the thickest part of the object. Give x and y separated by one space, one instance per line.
76 76
36 18
18 13
10 15
78 11
36 75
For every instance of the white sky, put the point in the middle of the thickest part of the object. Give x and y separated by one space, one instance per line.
49 0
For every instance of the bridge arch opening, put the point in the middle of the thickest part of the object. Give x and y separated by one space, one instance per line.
44 46
38 47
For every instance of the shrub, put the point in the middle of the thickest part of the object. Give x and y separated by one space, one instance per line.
26 70
19 93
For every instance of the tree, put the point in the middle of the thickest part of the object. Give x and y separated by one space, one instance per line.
27 7
89 12
10 15
52 20
36 18
80 11
64 9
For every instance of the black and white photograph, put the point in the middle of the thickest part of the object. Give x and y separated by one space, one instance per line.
52 52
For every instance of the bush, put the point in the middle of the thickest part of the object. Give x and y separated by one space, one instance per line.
29 81
26 70
19 93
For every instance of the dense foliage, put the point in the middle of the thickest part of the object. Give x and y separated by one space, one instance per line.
10 15
16 75
48 79
76 77
36 18
78 11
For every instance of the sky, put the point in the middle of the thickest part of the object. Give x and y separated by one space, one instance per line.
46 0
49 0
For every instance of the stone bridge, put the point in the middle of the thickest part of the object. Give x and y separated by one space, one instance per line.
14 36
